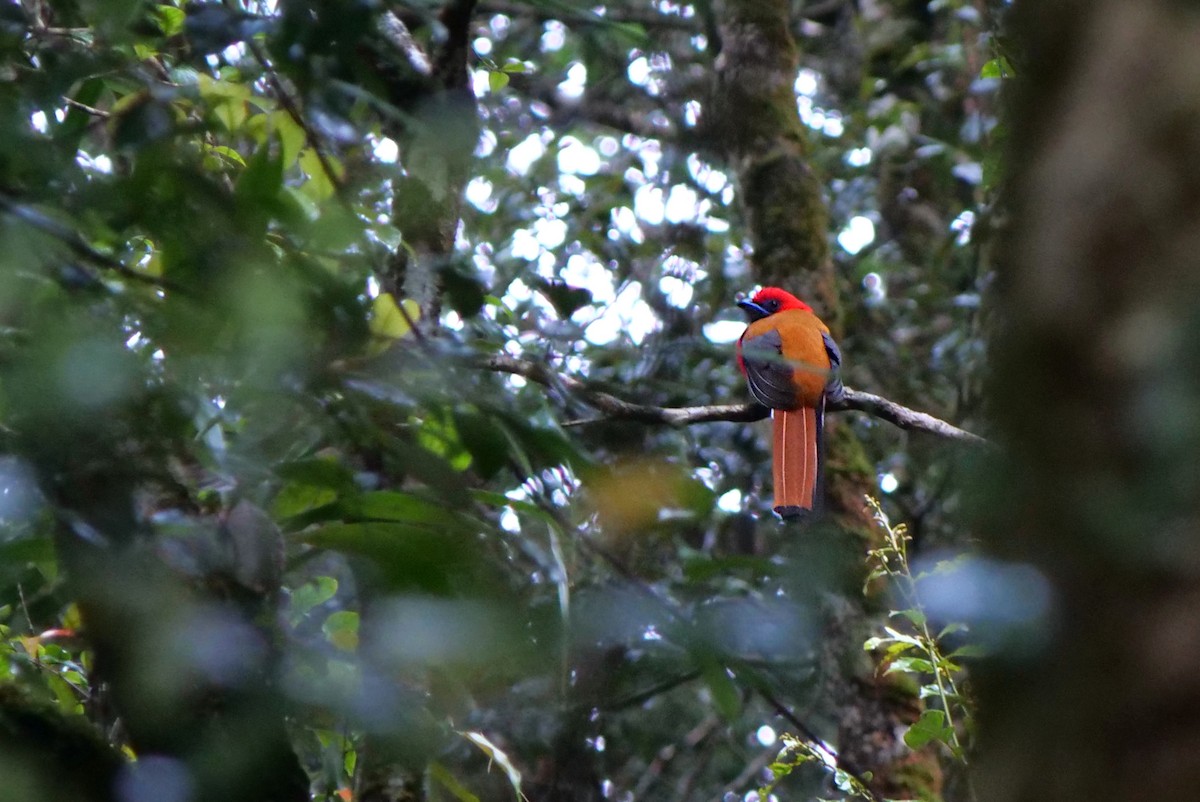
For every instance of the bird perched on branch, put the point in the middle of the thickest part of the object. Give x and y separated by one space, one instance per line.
791 364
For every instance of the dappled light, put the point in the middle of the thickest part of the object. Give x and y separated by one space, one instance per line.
373 425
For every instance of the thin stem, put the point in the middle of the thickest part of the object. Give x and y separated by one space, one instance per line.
897 548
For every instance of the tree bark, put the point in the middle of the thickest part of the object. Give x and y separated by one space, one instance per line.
1098 388
755 122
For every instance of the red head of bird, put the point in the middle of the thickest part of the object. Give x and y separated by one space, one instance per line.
770 300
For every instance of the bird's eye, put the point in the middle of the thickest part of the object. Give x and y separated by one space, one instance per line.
771 305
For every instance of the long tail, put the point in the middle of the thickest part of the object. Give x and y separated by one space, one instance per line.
797 459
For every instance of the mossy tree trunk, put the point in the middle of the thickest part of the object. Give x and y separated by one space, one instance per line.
754 121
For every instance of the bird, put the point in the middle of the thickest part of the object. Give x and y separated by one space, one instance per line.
792 365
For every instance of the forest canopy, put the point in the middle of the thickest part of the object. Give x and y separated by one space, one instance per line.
371 426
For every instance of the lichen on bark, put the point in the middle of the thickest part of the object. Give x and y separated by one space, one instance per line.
756 124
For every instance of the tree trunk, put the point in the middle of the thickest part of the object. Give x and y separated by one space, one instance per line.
1098 386
756 124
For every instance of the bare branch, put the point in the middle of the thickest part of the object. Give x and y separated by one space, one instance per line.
101 113
451 67
617 408
903 417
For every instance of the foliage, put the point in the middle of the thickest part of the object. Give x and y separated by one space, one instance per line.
919 656
797 752
253 483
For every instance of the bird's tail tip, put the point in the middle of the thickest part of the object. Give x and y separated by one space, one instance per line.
793 513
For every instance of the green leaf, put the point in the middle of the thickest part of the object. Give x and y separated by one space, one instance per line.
484 438
228 154
388 321
319 186
698 567
432 470
66 696
407 555
295 206
312 593
170 19
915 616
497 80
996 68
910 665
951 628
297 498
291 137
438 435
931 726
260 182
391 505
894 650
278 125
725 695
320 472
341 629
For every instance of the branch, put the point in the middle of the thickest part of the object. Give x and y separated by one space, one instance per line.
77 244
451 67
903 417
618 408
292 107
396 33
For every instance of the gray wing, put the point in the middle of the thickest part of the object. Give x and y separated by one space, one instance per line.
767 372
834 390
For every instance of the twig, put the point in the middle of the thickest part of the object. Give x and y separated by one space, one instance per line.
618 408
666 754
752 770
95 112
810 736
77 244
614 407
311 138
644 695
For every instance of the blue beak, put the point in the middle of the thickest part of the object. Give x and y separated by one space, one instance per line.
753 311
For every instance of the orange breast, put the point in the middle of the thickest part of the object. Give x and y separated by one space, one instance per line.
803 349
